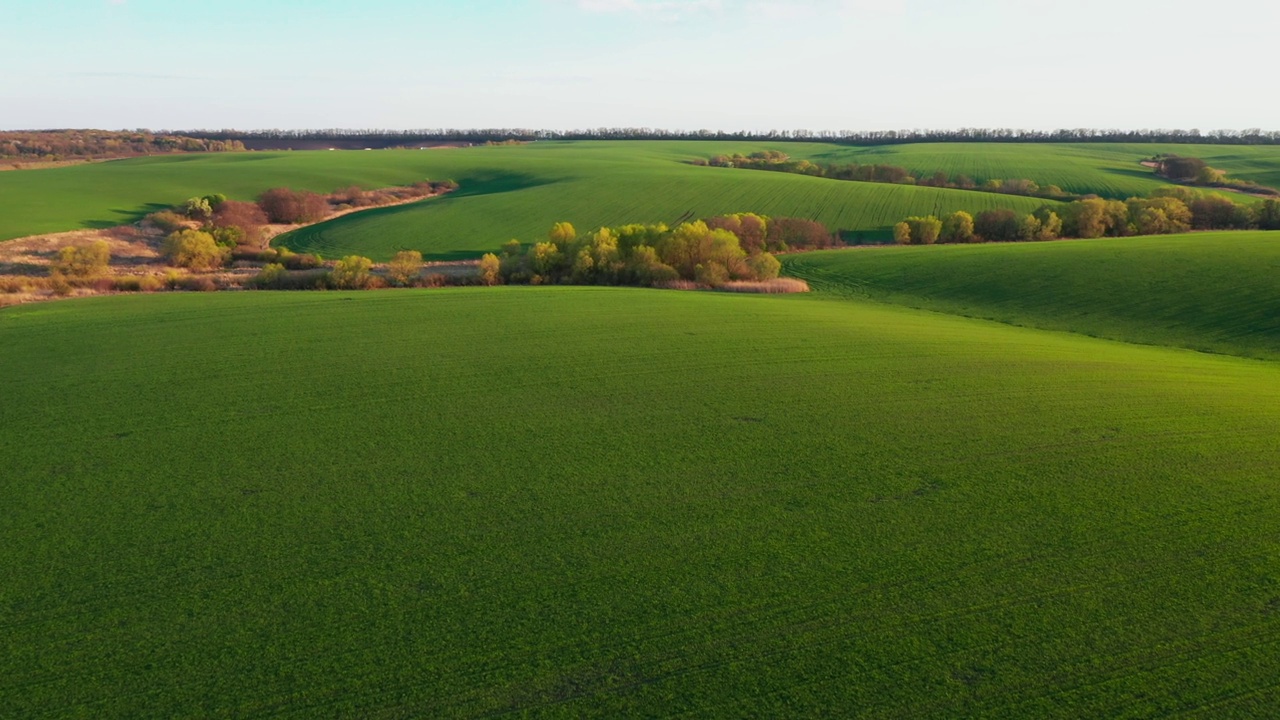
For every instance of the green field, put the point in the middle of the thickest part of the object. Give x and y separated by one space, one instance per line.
519 191
1108 169
1214 292
609 502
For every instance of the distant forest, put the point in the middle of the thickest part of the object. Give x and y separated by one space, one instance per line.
392 138
57 145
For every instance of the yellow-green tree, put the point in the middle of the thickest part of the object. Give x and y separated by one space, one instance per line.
351 273
195 250
562 234
957 227
405 266
83 261
902 233
490 270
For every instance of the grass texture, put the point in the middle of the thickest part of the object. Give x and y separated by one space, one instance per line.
1213 292
615 502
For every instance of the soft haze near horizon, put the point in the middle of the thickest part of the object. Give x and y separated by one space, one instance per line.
718 64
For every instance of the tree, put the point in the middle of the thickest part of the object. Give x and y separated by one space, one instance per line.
351 273
405 266
1267 215
902 233
198 208
83 261
1214 212
924 230
1159 215
999 225
1050 224
562 234
195 250
957 227
490 270
244 215
286 206
544 258
764 266
1029 227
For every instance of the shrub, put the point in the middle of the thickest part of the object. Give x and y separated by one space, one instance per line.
197 208
150 283
902 233
166 221
195 250
351 273
83 261
269 277
434 280
228 237
405 266
198 283
490 270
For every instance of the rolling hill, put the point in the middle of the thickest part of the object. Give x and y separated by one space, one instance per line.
1213 292
618 502
519 191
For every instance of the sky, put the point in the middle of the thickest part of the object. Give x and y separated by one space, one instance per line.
674 64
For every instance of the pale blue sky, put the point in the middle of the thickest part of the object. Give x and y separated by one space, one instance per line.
722 64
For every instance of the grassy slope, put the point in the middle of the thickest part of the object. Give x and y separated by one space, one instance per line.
1107 169
1214 292
594 501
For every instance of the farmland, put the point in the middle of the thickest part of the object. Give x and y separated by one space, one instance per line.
1214 292
587 501
519 191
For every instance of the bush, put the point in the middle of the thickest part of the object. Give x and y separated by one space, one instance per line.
351 273
269 277
198 283
195 250
167 221
83 261
902 233
289 207
405 266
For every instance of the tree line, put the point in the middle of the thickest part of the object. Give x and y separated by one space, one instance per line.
1195 171
1168 210
880 173
716 252
1250 136
54 145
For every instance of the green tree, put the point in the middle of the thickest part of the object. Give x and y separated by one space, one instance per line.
1267 215
351 273
195 250
957 227
764 266
924 230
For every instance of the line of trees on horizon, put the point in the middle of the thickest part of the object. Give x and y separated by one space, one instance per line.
1249 136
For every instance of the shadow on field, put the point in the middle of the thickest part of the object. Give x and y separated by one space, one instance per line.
124 217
